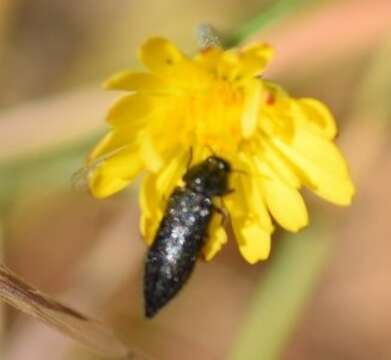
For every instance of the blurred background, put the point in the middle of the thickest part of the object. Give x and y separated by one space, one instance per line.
324 294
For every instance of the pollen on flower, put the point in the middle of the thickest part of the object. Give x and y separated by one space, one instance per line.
217 101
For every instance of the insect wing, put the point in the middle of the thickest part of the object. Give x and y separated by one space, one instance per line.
79 179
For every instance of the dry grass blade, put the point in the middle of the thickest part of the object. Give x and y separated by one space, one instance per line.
90 333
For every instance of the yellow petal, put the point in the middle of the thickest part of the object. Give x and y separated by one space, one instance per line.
151 212
160 55
217 237
149 153
209 58
257 206
247 201
250 219
319 151
113 142
276 114
130 109
250 114
100 148
227 67
136 81
253 241
285 204
240 65
115 173
276 165
320 165
171 173
254 58
318 114
102 186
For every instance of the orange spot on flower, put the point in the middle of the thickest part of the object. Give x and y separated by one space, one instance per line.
270 99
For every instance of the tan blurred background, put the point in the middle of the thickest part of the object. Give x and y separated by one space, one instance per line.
88 253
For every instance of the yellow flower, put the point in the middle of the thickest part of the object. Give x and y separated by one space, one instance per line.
217 101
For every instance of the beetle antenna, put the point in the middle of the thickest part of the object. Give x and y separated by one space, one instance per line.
240 171
211 150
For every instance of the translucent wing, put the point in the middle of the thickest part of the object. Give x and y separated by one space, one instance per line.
97 336
79 179
208 36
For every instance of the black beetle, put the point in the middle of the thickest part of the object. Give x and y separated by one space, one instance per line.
182 231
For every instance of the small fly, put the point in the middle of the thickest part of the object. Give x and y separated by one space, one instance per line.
182 232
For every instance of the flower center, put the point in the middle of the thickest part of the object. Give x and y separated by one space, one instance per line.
213 116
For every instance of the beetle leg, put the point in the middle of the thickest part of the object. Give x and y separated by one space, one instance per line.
223 212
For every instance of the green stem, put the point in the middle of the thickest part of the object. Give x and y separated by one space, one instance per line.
281 296
266 17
